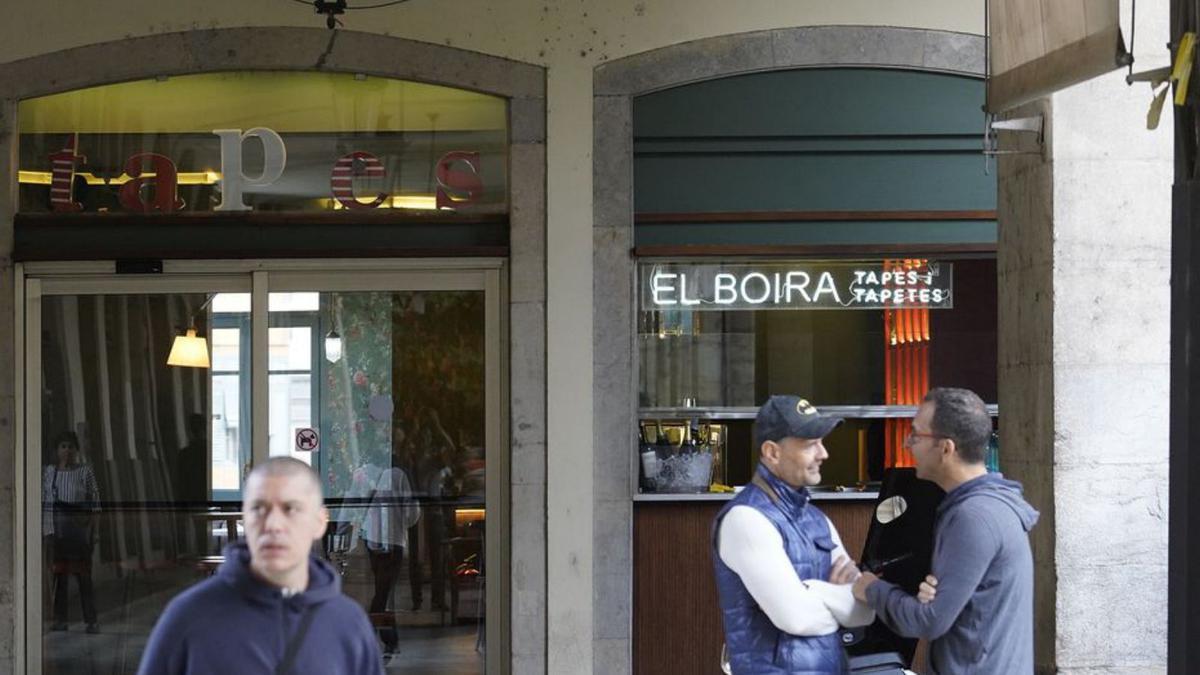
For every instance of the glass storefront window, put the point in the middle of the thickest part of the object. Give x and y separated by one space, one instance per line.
139 498
871 365
133 449
400 418
832 357
263 141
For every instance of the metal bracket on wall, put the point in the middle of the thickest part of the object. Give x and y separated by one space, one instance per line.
991 139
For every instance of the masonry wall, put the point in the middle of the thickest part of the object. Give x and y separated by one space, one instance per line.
1025 270
569 39
1084 265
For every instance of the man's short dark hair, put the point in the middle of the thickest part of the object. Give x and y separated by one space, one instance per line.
961 416
288 466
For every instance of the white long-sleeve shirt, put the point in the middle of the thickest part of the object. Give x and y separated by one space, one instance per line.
391 510
751 546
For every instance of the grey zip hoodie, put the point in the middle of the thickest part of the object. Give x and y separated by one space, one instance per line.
982 618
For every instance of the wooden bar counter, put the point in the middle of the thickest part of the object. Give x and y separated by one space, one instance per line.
676 623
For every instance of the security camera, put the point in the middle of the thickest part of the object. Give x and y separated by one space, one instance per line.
331 9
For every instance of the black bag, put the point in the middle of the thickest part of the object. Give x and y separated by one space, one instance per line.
887 663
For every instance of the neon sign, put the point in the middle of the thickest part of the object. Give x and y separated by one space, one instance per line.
892 284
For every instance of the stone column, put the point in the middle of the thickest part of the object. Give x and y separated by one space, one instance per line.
11 587
1084 267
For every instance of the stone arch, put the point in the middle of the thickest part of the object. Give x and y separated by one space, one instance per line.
314 49
616 84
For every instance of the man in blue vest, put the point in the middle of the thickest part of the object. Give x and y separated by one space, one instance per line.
783 576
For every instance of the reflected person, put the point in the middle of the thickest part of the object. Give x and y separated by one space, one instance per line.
70 501
431 456
390 512
191 483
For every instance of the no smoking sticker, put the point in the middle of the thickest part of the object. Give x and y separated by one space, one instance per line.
307 440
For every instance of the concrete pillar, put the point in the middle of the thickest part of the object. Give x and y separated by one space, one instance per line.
1084 267
569 483
10 585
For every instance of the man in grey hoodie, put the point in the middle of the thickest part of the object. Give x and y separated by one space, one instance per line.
981 620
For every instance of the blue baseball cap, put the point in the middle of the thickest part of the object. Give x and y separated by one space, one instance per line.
783 416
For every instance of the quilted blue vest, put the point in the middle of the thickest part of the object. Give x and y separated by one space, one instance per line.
755 645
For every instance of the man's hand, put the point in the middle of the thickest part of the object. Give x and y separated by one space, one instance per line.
844 571
862 584
928 589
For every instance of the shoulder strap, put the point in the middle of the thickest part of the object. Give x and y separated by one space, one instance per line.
762 484
293 645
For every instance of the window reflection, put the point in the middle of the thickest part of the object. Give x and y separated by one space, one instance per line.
400 418
405 128
141 509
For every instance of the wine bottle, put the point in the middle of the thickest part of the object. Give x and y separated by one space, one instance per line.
649 462
992 458
662 444
703 434
688 446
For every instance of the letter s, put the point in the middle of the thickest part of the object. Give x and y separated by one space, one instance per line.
455 185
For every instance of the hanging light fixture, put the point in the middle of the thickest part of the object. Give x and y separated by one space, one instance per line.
190 350
333 341
333 346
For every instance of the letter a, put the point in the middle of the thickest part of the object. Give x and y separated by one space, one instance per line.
165 181
825 285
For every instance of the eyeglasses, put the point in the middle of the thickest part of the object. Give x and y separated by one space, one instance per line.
912 437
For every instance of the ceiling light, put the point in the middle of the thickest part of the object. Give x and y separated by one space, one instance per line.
333 346
189 351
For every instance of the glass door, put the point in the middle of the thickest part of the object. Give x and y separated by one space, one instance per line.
120 475
388 383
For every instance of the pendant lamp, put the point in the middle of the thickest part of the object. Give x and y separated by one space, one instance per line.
190 350
333 341
333 346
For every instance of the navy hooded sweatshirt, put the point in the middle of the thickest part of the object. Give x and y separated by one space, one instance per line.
981 620
233 623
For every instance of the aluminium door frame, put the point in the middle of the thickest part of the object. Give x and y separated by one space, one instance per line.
34 289
35 281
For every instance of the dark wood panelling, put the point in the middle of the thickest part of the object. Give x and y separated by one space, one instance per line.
852 520
963 345
807 216
676 623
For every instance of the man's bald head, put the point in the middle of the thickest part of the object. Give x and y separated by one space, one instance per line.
284 515
288 467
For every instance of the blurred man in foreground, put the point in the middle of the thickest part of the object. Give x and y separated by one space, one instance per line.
273 607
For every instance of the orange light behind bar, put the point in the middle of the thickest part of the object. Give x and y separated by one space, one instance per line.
907 336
